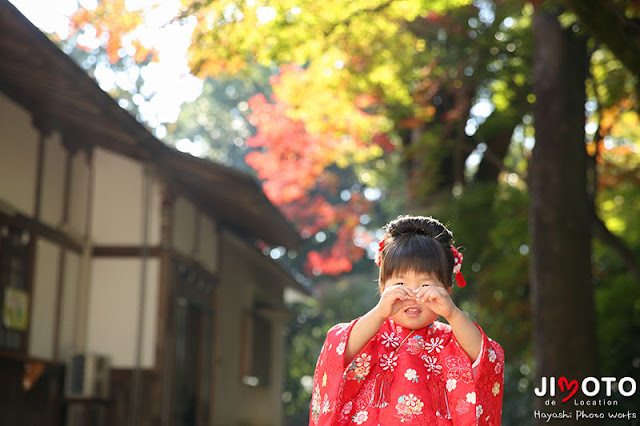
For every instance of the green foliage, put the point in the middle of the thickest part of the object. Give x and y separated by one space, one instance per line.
612 81
617 293
617 201
340 300
490 222
218 118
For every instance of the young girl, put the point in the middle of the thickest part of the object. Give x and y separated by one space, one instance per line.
396 363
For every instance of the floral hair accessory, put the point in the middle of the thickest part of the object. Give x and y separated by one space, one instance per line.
457 265
380 248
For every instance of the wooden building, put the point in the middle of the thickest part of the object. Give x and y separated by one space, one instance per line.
130 286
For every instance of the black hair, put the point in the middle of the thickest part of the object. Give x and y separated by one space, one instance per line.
419 244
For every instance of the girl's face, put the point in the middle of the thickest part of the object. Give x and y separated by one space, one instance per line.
417 315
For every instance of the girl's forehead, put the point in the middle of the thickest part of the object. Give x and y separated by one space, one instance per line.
409 273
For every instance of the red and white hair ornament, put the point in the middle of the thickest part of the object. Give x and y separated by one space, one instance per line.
457 265
380 248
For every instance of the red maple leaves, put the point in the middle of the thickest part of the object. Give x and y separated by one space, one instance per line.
294 165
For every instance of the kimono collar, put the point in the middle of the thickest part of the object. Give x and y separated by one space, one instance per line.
402 332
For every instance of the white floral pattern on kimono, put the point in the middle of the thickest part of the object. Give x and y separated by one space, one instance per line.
427 380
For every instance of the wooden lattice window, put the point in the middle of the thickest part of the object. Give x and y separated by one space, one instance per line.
14 287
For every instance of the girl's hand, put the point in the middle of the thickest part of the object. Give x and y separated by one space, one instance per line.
437 299
393 299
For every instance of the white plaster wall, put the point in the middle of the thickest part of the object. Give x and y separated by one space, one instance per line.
44 300
66 342
238 291
236 297
52 200
184 226
208 244
18 156
80 169
118 201
113 310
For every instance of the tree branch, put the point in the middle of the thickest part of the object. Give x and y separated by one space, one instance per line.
496 161
607 22
349 18
601 231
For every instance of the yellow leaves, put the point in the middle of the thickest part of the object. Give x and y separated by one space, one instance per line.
527 9
614 224
228 34
627 127
607 117
603 63
502 95
330 116
519 79
383 74
114 25
370 36
319 100
620 121
410 10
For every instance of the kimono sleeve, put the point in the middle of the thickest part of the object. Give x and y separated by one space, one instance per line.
474 393
490 382
330 376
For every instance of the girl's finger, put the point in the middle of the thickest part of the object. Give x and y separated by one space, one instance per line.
421 292
403 292
391 297
430 293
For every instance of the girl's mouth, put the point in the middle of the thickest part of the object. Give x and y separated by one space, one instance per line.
413 312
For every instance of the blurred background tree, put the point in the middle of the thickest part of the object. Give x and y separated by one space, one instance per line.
352 113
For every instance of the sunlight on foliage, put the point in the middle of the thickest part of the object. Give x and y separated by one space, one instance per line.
116 27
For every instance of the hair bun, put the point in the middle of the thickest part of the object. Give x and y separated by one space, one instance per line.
412 225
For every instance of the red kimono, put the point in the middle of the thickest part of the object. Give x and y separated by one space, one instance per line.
422 377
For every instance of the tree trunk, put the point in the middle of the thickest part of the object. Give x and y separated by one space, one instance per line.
564 314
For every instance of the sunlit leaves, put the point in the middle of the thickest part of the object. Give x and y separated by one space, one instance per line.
612 80
296 152
368 39
116 27
296 31
297 149
328 110
614 123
